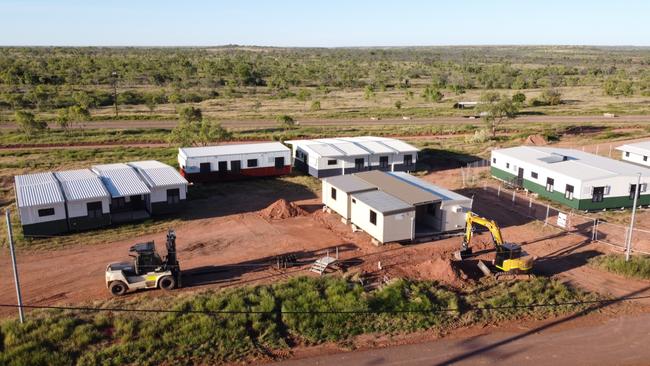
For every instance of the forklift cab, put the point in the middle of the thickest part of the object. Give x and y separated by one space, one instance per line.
145 258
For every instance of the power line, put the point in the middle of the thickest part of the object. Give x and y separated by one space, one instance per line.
319 312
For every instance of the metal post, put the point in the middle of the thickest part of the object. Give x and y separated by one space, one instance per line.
114 76
548 209
10 237
596 230
597 146
337 253
499 191
628 247
593 230
513 197
610 151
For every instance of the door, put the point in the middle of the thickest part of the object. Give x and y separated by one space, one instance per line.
235 166
94 210
223 166
358 164
204 167
279 162
598 194
383 162
520 177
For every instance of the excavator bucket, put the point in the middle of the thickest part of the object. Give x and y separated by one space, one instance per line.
463 254
486 271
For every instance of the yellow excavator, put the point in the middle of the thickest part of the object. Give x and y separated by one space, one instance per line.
510 260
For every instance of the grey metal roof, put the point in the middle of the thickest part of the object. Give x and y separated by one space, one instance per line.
354 146
398 188
121 180
233 149
383 202
157 174
81 184
37 190
443 193
641 148
350 183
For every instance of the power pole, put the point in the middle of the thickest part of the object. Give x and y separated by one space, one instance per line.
628 244
10 237
114 76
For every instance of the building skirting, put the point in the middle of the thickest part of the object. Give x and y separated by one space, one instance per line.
217 176
585 204
87 223
164 208
48 228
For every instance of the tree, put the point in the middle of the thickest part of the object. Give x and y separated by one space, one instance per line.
398 104
286 121
63 119
82 99
432 94
209 132
190 114
28 124
368 92
519 98
551 97
496 111
153 99
315 106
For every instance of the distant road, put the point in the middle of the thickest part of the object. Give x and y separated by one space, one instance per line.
619 341
258 124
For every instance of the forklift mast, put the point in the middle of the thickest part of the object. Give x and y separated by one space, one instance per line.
171 261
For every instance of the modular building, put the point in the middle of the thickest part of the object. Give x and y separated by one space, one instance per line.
336 156
168 188
41 204
87 201
395 206
234 161
636 153
129 194
571 177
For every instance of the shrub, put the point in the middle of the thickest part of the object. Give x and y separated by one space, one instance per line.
478 137
637 267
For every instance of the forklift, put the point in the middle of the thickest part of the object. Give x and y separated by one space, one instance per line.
510 260
147 271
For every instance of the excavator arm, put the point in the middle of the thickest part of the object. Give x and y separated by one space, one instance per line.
472 219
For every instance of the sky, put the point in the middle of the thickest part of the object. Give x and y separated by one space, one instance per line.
331 23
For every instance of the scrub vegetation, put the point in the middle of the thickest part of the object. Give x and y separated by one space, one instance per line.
115 338
637 267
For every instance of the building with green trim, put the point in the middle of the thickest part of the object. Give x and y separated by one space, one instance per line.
573 178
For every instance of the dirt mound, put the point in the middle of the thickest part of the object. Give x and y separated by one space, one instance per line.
440 269
535 140
281 209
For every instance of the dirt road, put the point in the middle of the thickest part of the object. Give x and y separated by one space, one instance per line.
259 124
618 341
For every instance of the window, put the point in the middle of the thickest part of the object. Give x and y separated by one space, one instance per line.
494 160
94 210
408 160
507 165
235 166
279 162
205 167
332 162
598 194
173 196
223 166
251 163
383 162
549 184
45 212
358 164
333 193
627 154
633 190
118 202
645 158
568 192
373 217
534 175
354 201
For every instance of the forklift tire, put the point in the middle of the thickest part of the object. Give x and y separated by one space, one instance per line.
118 288
167 283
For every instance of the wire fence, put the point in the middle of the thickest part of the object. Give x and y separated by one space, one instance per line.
526 204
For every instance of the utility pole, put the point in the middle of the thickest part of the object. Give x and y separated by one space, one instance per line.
114 77
10 237
628 245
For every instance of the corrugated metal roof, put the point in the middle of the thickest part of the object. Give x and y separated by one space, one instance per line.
578 164
398 145
81 184
374 147
233 149
348 148
382 202
121 180
443 193
398 188
157 174
350 183
326 150
641 148
37 190
354 146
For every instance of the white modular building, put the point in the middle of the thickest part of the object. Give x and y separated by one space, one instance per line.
336 156
574 178
636 153
41 204
87 201
395 206
168 188
129 193
234 161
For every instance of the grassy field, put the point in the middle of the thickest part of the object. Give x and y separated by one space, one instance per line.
637 267
114 338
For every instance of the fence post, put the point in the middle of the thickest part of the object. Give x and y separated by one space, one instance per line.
499 191
610 150
597 147
530 204
593 230
513 196
485 186
548 208
462 173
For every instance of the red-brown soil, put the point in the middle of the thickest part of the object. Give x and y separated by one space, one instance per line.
281 209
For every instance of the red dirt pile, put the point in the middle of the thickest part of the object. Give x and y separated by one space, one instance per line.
537 140
281 209
440 269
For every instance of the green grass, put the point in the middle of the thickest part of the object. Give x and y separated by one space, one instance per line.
85 338
637 267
